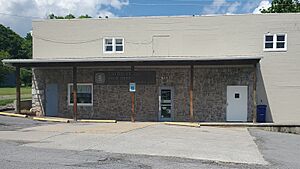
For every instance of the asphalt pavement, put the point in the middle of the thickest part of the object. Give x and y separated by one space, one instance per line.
16 156
279 149
15 123
30 144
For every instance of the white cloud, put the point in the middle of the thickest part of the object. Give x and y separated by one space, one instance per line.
263 5
233 7
249 6
214 7
222 7
42 8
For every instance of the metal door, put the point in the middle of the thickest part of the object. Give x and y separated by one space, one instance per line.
51 100
237 103
165 104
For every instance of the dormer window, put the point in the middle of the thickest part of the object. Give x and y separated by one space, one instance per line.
113 45
275 42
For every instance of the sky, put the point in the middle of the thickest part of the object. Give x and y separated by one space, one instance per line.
18 14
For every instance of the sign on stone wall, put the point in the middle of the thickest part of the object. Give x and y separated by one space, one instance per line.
124 77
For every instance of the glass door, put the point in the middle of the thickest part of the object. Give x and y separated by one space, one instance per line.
165 105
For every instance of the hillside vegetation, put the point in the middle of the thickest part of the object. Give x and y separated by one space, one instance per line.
13 46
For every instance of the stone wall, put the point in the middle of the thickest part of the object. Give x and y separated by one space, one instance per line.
210 91
114 101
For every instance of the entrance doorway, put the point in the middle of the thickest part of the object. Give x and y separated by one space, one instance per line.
237 107
165 104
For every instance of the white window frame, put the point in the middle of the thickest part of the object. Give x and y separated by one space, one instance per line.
104 45
113 45
275 49
80 104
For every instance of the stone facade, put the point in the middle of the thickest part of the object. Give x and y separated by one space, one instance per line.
114 101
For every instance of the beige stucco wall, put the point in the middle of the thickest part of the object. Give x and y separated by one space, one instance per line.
279 79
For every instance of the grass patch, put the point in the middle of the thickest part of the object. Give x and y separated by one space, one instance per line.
12 90
5 102
8 94
8 101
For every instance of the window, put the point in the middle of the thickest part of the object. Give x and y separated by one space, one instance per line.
237 95
113 45
119 45
108 45
280 44
269 42
275 42
84 94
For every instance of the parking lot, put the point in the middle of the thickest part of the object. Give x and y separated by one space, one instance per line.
142 145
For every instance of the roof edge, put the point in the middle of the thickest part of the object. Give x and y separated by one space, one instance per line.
167 16
130 59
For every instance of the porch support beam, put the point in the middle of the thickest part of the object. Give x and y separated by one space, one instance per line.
191 93
75 93
254 92
132 94
18 91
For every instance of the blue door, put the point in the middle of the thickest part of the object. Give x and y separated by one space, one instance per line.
51 100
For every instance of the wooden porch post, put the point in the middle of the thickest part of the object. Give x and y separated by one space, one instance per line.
18 91
254 92
75 93
191 92
132 96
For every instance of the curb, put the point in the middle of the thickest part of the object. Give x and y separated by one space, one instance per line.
187 124
96 121
13 115
52 119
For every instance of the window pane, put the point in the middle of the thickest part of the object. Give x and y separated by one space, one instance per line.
280 45
84 98
268 45
119 41
84 94
84 89
108 41
280 37
108 48
119 48
269 37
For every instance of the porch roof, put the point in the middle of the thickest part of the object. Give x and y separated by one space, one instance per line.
136 61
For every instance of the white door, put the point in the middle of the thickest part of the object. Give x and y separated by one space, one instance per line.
237 107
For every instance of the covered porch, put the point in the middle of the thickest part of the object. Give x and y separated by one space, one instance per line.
134 65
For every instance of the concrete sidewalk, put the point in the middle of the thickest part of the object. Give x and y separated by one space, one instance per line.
207 143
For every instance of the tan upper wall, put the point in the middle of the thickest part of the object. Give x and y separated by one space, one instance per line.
182 36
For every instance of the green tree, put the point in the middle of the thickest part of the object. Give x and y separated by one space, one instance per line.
12 43
70 16
13 46
52 16
25 76
27 45
84 16
283 6
4 69
59 17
